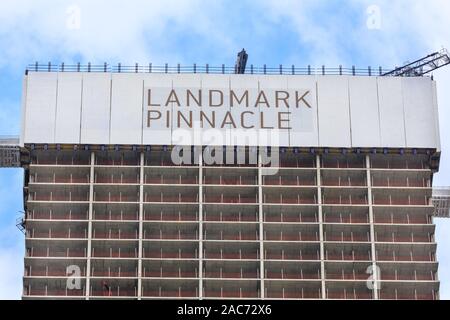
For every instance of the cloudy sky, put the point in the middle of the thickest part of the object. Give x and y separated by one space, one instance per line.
301 32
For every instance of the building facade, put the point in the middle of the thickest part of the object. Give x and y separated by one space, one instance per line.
124 201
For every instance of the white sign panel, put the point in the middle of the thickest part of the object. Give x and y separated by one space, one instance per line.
257 110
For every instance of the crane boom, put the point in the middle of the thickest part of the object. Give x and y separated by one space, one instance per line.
422 66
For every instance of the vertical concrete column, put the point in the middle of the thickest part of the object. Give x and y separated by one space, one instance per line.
261 226
320 216
375 275
141 221
200 223
91 209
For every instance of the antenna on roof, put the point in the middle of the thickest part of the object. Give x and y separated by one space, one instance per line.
241 61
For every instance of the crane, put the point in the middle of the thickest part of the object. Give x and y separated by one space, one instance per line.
422 66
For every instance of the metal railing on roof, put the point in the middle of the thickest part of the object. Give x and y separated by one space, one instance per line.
195 68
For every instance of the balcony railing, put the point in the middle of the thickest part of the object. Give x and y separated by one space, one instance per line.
232 274
34 234
239 293
403 238
55 292
67 253
290 218
170 273
348 257
292 275
170 254
291 237
171 180
286 294
170 293
405 257
291 256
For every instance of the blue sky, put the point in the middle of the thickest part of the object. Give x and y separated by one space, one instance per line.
274 32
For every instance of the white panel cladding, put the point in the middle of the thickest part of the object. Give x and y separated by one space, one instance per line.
247 115
420 123
392 122
221 82
186 117
334 113
126 108
40 108
68 108
96 107
346 111
155 131
303 120
269 116
364 113
436 116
